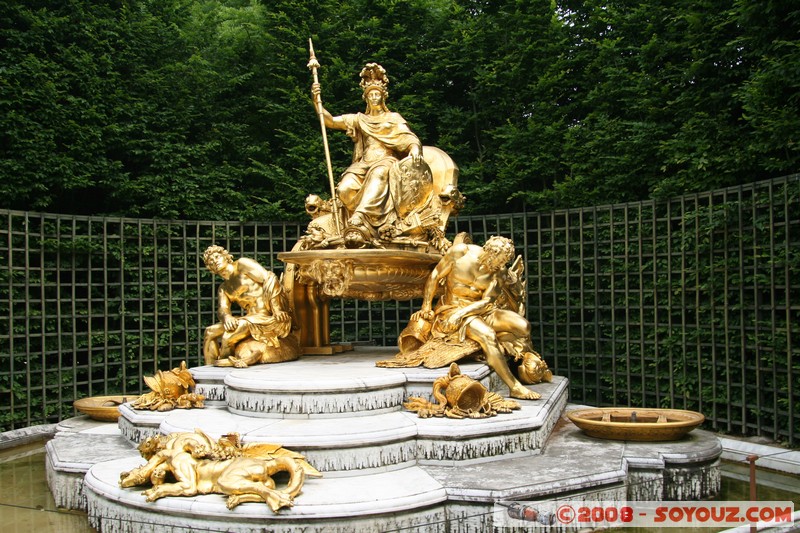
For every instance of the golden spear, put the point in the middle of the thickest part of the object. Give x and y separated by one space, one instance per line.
313 65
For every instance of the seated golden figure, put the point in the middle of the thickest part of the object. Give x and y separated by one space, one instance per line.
394 191
481 309
383 229
264 333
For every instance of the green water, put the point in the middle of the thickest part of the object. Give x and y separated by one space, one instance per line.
26 503
771 486
735 486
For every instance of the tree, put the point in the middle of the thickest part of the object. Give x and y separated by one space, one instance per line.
201 109
507 112
770 96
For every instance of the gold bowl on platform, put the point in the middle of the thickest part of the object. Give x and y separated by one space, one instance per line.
372 275
637 424
103 408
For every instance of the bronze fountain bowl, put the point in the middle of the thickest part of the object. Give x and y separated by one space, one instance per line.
102 408
636 424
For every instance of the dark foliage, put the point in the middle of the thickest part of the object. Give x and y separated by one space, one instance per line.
201 109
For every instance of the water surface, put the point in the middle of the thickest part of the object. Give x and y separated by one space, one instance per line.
27 505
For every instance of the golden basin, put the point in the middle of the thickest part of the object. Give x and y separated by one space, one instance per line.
103 408
365 274
638 424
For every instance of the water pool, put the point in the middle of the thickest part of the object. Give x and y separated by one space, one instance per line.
25 500
27 505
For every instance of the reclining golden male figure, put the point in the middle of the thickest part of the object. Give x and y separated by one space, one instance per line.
481 308
203 466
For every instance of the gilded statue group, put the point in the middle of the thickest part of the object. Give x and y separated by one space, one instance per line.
380 235
389 197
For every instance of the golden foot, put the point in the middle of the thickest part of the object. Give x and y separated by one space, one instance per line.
232 502
279 500
523 393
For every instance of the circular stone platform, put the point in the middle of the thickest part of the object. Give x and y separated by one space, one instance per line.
386 469
323 386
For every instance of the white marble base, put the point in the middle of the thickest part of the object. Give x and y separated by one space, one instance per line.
299 384
210 382
137 425
417 495
80 444
332 445
346 414
522 432
400 499
383 468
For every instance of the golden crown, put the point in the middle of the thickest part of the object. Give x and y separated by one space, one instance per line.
374 76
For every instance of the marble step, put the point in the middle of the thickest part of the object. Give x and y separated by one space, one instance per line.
400 499
573 463
389 440
572 467
334 385
136 425
78 444
333 445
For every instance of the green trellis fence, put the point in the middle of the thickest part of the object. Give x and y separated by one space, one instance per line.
691 303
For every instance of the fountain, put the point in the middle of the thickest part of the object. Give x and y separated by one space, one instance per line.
382 467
